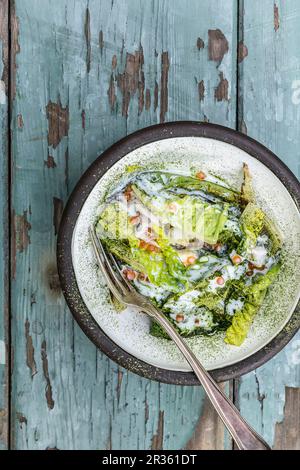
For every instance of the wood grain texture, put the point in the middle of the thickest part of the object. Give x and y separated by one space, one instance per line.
88 73
210 433
287 436
4 165
270 112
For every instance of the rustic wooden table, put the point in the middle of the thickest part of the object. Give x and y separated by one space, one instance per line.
77 75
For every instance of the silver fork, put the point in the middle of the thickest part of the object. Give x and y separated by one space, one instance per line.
245 437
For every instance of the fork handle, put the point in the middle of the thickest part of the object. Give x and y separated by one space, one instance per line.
245 437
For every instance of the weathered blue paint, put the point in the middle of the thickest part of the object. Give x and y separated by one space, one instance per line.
3 225
270 112
72 58
77 63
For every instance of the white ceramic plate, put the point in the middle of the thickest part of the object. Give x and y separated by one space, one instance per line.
130 329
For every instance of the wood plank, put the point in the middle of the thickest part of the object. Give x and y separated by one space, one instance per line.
287 436
270 112
4 293
210 433
88 72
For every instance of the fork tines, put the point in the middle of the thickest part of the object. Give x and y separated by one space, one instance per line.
118 285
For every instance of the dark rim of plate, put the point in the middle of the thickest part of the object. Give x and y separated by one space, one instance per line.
74 206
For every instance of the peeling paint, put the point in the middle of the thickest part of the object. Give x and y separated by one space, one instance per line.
58 122
114 62
260 396
101 41
15 47
22 419
48 388
5 52
87 34
200 44
119 384
276 18
242 51
132 79
201 90
3 425
52 279
148 100
217 45
111 92
50 162
221 91
20 122
141 88
122 49
146 411
83 119
30 361
287 433
155 104
58 207
165 64
21 232
158 438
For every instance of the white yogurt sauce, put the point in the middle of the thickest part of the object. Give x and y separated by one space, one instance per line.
194 317
150 290
200 318
228 272
258 255
233 226
184 304
234 305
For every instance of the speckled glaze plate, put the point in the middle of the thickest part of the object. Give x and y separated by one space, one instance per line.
181 146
